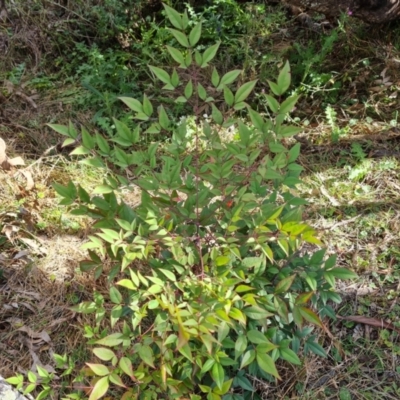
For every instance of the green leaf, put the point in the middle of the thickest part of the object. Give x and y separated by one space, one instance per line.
223 331
209 54
243 92
294 152
63 130
99 389
87 140
256 119
342 273
154 128
289 355
215 78
133 104
284 78
103 353
162 75
95 162
163 118
218 374
102 144
114 378
79 151
236 314
180 99
126 365
315 348
32 377
329 263
188 90
102 189
180 37
98 369
243 288
207 365
288 105
248 358
266 363
153 304
195 34
257 337
201 91
44 394
198 58
127 283
142 116
30 388
217 115
68 142
289 130
174 79
272 103
256 313
186 352
222 260
111 340
146 354
147 106
64 191
240 345
174 17
185 19
177 56
228 96
271 174
312 282
277 147
42 372
244 383
229 78
188 59
225 388
109 235
275 88
115 295
284 285
168 274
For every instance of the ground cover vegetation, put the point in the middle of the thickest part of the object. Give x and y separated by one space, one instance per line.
186 190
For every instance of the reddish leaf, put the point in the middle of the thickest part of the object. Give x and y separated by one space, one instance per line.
310 316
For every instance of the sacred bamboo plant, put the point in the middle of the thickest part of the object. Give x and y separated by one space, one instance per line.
208 288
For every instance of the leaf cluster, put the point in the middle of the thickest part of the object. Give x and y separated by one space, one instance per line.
208 285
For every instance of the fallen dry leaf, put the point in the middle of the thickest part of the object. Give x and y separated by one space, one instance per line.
30 184
6 163
42 336
370 321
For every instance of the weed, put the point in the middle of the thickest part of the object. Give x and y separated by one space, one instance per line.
207 286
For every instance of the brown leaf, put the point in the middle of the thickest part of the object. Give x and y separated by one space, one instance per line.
26 98
44 336
360 319
30 184
5 162
9 231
